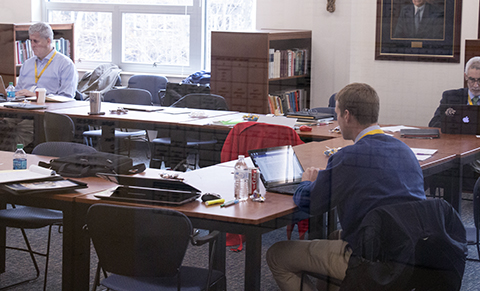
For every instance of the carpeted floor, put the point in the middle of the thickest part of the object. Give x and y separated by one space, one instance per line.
19 265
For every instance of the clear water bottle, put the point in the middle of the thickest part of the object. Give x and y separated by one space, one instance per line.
10 91
241 179
19 158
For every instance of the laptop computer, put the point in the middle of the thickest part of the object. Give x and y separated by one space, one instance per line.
148 190
280 169
460 119
3 91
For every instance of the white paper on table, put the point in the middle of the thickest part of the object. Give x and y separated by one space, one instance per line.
423 154
280 120
396 128
32 173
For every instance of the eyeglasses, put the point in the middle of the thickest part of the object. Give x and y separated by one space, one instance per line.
473 81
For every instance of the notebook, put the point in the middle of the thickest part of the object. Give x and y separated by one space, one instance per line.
460 118
280 169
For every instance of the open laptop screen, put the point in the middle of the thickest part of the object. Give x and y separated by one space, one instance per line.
460 118
278 165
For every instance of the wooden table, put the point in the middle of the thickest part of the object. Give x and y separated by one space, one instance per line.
453 152
72 227
249 218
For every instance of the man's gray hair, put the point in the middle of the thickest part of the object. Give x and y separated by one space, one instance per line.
473 63
43 29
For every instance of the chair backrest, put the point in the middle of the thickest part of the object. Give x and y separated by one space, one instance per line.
331 100
329 110
251 135
156 85
417 245
476 204
58 127
202 101
129 96
61 149
138 241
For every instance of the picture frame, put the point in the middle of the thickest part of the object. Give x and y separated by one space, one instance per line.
435 38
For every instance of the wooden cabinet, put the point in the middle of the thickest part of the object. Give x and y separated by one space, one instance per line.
240 66
11 32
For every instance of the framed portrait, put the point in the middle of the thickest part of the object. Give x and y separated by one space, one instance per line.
418 30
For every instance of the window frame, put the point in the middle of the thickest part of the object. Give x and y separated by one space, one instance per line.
197 33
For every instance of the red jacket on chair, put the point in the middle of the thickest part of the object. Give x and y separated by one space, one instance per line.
252 135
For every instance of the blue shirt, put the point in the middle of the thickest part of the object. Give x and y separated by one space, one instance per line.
377 170
59 78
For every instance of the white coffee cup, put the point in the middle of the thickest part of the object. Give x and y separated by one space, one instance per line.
41 94
95 102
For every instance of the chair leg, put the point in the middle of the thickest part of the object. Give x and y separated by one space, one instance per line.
30 251
96 281
478 243
47 257
32 256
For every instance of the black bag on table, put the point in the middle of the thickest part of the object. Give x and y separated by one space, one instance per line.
175 91
88 165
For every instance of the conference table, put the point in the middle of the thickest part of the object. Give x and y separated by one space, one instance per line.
249 218
63 202
37 114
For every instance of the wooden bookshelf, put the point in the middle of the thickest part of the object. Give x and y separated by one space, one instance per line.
12 32
240 66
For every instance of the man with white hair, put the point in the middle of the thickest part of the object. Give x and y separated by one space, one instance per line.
470 96
47 69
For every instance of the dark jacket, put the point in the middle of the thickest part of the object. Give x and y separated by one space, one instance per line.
431 25
417 245
457 96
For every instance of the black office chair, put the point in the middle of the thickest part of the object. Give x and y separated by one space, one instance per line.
61 149
24 217
191 140
143 248
154 84
473 233
58 127
124 96
418 245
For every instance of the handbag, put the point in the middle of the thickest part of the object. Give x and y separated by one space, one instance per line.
175 91
88 165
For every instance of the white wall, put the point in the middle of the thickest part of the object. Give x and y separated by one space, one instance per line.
19 11
343 51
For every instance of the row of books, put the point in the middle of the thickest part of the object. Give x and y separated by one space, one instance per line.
287 101
24 49
287 63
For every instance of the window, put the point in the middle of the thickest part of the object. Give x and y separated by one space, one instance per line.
151 36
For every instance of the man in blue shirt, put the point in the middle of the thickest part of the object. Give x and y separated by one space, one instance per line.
377 170
47 69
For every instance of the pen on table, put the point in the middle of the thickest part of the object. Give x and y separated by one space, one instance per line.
215 201
231 202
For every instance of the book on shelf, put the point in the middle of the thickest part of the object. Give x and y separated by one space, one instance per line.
287 63
287 101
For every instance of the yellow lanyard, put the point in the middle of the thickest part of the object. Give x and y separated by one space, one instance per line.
470 102
371 132
41 73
